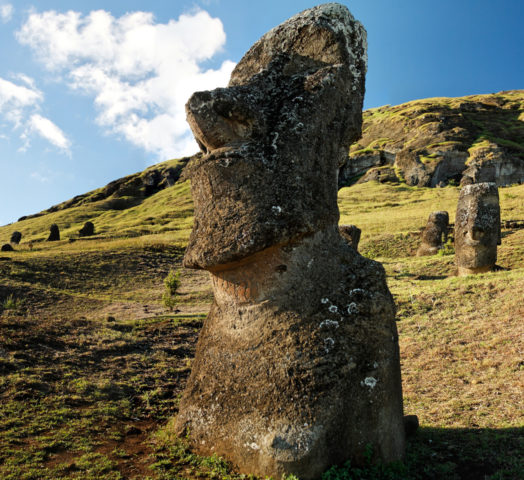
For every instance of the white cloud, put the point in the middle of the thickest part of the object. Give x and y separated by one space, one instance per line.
139 73
19 105
15 100
49 131
6 12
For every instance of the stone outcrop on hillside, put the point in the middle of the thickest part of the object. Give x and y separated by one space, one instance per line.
127 191
436 141
297 366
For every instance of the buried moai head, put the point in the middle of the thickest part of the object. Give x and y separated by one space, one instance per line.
16 237
87 230
274 139
477 228
54 233
350 233
435 233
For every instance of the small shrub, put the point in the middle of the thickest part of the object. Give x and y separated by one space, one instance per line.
171 283
11 303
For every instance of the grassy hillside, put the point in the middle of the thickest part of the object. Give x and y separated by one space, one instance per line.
92 364
435 140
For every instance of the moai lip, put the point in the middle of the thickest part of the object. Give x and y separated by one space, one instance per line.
297 365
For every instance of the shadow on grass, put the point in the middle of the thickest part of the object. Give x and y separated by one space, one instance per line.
466 454
431 454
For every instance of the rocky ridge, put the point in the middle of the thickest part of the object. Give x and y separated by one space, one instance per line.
438 141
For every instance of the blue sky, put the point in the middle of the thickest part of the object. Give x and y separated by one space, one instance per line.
94 90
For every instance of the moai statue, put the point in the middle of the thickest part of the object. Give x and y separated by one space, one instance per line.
350 233
435 234
87 230
477 228
16 237
54 233
297 365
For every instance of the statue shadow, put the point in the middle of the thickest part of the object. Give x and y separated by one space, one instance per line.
466 453
430 277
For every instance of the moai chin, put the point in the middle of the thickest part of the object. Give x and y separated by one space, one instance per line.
297 365
477 228
435 233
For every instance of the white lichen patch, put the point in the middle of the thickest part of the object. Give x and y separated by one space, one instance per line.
329 343
357 291
276 209
274 142
353 308
369 382
333 308
324 300
252 446
329 323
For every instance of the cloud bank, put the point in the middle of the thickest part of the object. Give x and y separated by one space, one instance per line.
19 105
139 73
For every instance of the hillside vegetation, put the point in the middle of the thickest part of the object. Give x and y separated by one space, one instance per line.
436 141
92 363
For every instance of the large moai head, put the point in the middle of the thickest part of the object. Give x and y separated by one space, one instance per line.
477 228
435 233
274 139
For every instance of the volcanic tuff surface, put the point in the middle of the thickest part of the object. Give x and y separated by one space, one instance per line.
436 141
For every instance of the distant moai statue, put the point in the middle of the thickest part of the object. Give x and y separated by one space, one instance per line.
297 366
87 230
477 228
16 237
435 234
350 233
54 233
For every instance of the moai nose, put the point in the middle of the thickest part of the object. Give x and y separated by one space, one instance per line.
219 118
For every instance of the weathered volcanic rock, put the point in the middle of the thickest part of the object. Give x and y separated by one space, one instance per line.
435 234
54 233
350 233
439 141
477 228
297 366
6 247
16 237
87 230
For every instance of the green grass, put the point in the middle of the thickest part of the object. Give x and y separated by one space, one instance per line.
92 364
